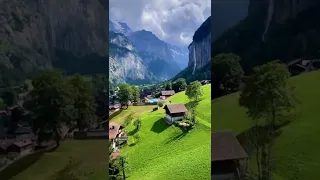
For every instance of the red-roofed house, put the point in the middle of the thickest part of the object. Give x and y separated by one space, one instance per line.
115 133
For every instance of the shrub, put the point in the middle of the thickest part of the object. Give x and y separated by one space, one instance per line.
160 104
137 123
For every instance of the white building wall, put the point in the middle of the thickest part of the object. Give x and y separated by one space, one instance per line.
170 119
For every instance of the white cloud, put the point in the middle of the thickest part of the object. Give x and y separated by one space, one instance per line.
173 21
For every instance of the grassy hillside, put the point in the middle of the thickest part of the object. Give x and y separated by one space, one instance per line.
91 155
296 149
165 152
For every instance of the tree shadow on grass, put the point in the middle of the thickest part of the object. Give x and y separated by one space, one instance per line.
22 164
133 132
259 136
192 104
159 126
178 137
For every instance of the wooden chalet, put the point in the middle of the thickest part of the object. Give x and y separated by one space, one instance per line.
168 93
21 147
301 65
175 112
228 158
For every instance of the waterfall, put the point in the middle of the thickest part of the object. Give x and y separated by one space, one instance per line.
194 58
269 17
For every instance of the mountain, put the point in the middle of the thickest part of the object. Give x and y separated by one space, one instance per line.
179 55
40 35
273 30
125 64
119 27
156 53
199 66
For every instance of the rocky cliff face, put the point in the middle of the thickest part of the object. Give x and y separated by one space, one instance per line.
278 11
125 64
36 33
200 48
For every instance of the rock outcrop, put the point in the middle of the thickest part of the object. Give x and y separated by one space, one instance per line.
200 48
37 34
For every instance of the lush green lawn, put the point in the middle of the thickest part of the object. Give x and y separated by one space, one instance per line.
165 152
296 149
133 111
92 156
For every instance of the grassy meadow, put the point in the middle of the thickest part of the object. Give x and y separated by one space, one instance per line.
296 149
90 158
165 152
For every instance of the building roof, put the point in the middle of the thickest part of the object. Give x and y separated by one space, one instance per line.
23 143
168 93
113 130
176 108
225 146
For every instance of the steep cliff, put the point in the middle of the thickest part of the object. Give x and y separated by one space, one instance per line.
199 55
274 30
39 34
200 48
125 64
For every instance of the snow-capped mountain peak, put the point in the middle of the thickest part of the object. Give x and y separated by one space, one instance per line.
119 27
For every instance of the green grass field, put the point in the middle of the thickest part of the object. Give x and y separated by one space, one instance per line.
133 111
92 156
296 149
165 152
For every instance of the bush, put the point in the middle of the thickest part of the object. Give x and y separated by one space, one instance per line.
137 124
160 104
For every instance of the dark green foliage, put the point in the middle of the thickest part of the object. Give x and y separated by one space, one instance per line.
114 166
228 71
168 85
83 102
9 96
194 91
198 75
266 90
124 94
160 104
179 84
135 94
137 124
268 98
100 83
52 104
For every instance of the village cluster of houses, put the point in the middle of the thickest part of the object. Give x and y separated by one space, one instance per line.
21 141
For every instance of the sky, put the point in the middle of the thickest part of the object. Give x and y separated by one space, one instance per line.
173 21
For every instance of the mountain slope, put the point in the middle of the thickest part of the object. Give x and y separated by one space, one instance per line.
155 52
125 65
295 150
273 31
163 147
